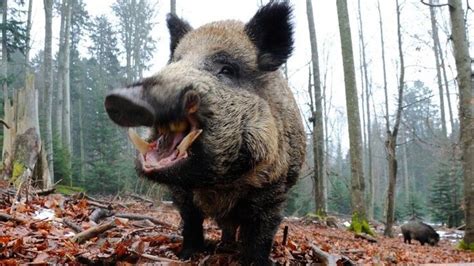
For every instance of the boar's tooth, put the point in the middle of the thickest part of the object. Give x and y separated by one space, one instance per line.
188 140
142 146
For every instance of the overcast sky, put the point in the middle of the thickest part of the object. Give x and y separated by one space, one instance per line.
416 27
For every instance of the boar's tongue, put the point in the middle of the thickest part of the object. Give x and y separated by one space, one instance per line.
164 152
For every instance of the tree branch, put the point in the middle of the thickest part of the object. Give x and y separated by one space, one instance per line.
433 5
4 123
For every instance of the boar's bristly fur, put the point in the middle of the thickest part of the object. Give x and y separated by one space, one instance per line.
422 232
227 136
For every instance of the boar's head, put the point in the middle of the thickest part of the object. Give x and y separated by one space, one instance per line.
219 111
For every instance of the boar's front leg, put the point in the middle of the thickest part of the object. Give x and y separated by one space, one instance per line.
228 241
260 215
193 235
257 238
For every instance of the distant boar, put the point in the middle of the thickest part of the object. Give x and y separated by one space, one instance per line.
227 137
419 231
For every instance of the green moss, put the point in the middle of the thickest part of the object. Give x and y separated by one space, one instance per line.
360 225
67 190
18 169
318 215
465 246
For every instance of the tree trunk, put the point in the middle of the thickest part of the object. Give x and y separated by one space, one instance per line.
390 146
406 176
391 142
48 84
81 137
66 123
317 118
28 38
466 111
4 73
59 99
353 120
446 86
437 54
173 7
382 43
370 194
27 143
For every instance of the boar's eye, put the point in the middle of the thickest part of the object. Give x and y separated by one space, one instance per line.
228 71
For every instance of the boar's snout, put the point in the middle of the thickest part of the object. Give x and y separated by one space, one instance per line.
128 108
134 107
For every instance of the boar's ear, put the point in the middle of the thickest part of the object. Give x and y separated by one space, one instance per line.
271 31
178 28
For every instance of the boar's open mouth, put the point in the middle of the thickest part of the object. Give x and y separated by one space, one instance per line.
170 147
176 128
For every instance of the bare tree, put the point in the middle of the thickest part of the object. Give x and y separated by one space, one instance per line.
28 37
59 98
391 138
316 117
7 145
466 110
48 83
66 125
370 194
353 120
437 54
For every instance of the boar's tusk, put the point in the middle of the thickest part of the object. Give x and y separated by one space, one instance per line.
188 140
142 146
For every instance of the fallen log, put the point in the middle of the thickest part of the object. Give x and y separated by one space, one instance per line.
72 225
99 214
461 227
323 256
156 258
8 217
133 216
367 237
135 196
93 232
45 192
330 259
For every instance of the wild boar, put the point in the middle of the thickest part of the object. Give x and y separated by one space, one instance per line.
227 137
419 231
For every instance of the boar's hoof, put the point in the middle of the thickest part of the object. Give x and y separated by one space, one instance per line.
227 247
187 252
247 261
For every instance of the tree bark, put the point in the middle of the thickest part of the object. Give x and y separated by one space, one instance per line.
370 194
28 38
353 120
6 149
59 99
391 142
66 123
406 176
382 43
446 87
437 54
81 137
466 111
48 84
317 118
28 146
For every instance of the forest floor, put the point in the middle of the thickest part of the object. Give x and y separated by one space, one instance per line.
58 229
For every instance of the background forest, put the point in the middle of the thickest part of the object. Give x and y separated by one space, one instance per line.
93 54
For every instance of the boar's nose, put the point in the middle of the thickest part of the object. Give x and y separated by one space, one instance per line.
129 108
